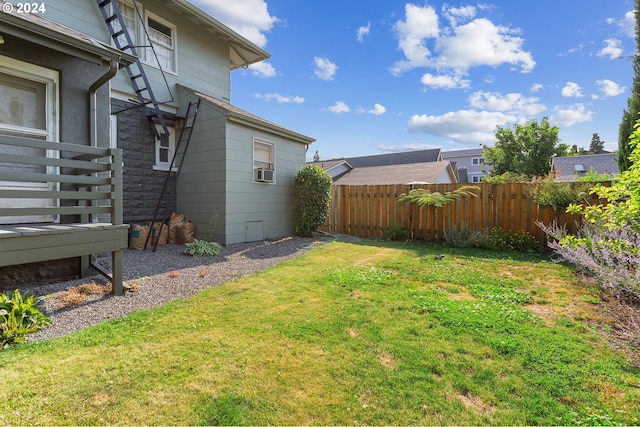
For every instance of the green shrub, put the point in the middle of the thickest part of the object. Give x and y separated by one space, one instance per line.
465 238
19 316
521 241
557 195
202 248
313 194
396 232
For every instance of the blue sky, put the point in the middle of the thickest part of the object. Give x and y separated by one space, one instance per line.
379 76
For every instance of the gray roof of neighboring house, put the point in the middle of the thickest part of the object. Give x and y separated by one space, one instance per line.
244 117
424 172
469 152
420 156
567 168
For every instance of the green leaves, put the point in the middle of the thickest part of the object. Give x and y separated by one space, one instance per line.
19 316
423 197
202 248
313 194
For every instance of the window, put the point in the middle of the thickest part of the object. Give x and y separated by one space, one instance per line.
476 178
477 161
165 147
263 161
113 142
28 106
130 18
162 35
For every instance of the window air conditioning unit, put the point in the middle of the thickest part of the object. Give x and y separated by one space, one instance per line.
264 175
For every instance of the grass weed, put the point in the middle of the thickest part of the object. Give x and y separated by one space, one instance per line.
375 333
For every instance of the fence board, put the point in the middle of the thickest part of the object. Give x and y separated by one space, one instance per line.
368 210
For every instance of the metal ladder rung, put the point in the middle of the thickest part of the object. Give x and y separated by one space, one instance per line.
111 18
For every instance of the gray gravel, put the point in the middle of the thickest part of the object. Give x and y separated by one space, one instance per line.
162 276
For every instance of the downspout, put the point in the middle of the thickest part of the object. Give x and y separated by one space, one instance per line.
93 111
93 132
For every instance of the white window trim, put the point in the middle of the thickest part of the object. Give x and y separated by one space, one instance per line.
477 161
174 37
273 160
51 79
162 166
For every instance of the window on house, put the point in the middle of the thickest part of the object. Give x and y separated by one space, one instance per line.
163 37
476 178
130 18
263 161
477 161
165 147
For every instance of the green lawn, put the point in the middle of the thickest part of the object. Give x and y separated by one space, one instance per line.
370 334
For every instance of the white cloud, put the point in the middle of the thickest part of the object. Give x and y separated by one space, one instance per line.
628 24
262 69
480 42
612 49
280 98
363 31
339 107
444 81
468 127
572 90
571 115
454 15
377 110
458 47
420 23
325 69
609 88
513 103
249 18
536 87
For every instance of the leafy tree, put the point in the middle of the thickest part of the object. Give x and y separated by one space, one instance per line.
313 194
526 149
423 197
630 115
596 144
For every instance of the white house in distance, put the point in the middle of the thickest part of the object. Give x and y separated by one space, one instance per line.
469 163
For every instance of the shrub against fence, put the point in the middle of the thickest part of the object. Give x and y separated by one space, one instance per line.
368 210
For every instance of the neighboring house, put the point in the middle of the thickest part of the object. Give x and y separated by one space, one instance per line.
469 164
412 167
439 172
572 167
238 170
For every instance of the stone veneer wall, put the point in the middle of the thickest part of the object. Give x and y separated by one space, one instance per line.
142 184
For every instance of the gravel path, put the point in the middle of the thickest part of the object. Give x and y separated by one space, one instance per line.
163 276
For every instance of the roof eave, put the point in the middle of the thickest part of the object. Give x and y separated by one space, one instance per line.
89 48
268 127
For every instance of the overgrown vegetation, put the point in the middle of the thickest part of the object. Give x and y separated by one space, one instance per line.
557 195
396 231
19 316
381 333
494 239
313 195
607 246
202 248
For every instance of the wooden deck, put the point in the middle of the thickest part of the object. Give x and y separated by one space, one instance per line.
60 200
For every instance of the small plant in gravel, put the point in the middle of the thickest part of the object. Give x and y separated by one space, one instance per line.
19 316
202 248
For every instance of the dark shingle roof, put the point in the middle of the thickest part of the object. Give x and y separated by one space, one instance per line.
421 156
567 168
425 172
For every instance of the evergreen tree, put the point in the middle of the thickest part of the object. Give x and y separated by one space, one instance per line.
596 144
630 115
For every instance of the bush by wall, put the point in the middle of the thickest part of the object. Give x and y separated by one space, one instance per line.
313 194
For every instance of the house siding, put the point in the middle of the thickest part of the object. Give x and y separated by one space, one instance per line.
203 60
142 185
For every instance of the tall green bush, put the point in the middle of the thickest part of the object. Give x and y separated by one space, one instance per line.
313 194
